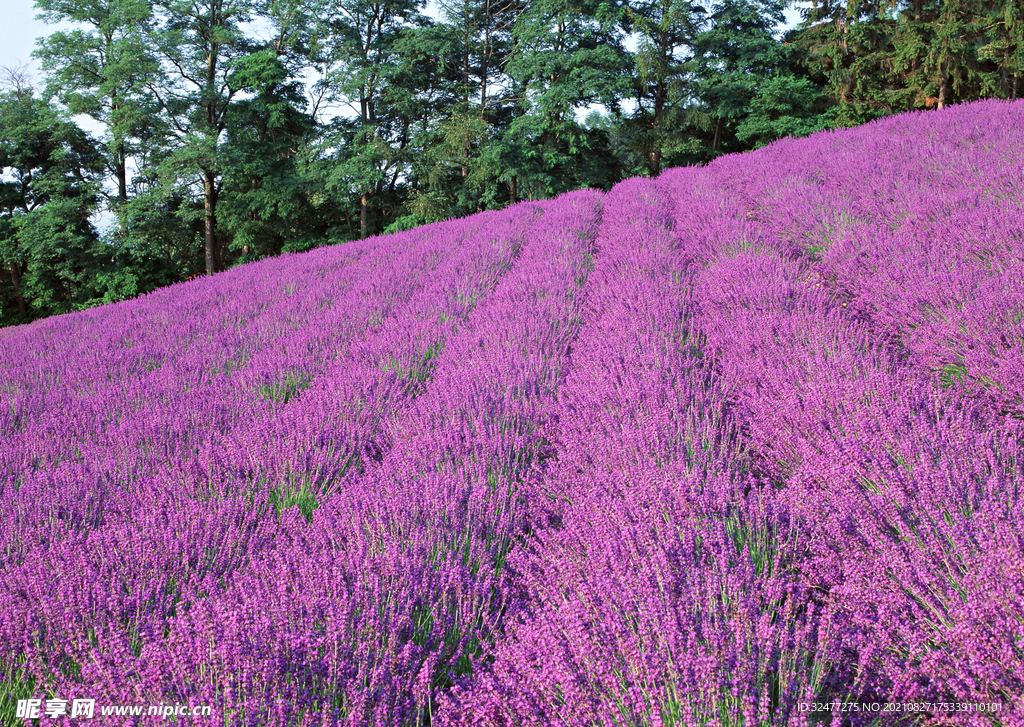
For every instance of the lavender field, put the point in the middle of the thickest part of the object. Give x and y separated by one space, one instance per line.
715 449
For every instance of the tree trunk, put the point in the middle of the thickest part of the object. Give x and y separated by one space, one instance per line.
364 217
1013 94
1005 73
483 57
718 133
943 92
210 222
16 282
122 174
212 244
660 98
465 74
512 188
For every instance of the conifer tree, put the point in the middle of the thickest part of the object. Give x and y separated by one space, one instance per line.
736 55
663 83
568 55
361 56
199 44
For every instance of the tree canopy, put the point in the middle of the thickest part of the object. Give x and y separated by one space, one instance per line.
230 130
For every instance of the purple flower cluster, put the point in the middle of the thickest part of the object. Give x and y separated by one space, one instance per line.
665 595
712 449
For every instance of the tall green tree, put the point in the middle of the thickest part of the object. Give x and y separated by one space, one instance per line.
463 167
784 105
931 48
480 33
49 191
1002 28
104 69
951 59
737 55
849 44
268 203
666 110
883 56
265 204
200 42
568 55
362 55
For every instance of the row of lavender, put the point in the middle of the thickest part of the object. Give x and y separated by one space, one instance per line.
704 451
136 487
368 612
918 435
665 594
918 228
768 495
907 495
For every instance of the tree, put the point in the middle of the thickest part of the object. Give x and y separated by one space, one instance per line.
736 56
52 169
459 169
663 88
268 201
361 55
1003 45
480 34
782 106
951 59
200 42
568 55
265 203
104 71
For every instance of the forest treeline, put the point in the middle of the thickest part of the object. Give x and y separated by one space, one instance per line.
230 130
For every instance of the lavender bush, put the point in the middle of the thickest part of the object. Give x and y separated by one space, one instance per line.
716 449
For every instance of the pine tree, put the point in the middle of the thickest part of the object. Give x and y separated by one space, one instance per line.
568 55
362 53
666 110
736 56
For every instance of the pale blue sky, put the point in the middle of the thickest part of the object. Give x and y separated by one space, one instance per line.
18 33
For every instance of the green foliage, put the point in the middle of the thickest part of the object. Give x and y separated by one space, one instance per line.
406 222
419 370
48 247
300 496
15 684
232 130
369 56
783 106
878 58
281 392
104 70
668 121
744 73
952 374
266 202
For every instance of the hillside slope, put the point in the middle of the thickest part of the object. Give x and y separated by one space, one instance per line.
714 448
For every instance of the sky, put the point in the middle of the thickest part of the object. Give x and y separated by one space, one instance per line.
18 33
